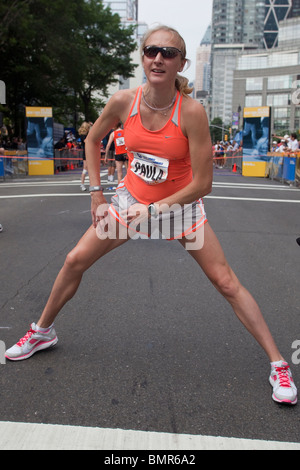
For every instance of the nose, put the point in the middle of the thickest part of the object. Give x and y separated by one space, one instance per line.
159 57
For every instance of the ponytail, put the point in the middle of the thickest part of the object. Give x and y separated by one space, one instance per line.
182 85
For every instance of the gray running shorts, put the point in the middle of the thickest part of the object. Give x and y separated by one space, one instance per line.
174 223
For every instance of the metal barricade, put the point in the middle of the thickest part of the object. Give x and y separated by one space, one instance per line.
14 163
284 167
67 159
231 160
298 170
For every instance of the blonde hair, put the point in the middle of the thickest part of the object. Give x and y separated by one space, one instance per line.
84 128
181 83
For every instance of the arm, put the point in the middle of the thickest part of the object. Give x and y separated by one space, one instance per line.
116 109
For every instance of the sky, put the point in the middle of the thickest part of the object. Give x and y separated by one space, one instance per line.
190 17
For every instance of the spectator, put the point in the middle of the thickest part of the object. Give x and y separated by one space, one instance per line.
110 157
293 143
117 136
83 132
60 144
282 147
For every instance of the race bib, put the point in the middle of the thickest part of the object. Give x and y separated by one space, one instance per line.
120 141
151 169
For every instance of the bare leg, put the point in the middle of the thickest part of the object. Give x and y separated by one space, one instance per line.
212 260
119 170
84 171
88 250
111 171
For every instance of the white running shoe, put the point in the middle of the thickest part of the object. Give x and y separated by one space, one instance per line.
32 342
82 187
284 388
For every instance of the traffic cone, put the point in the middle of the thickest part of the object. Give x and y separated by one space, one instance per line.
234 169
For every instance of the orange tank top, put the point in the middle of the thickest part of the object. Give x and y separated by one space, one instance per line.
159 161
119 142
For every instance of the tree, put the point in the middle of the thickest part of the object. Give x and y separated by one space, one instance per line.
216 126
105 48
60 54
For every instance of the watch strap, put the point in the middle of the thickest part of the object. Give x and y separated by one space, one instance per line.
95 188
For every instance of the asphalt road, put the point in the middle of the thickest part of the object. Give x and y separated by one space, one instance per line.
147 343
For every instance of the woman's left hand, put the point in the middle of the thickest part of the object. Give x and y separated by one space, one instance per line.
135 214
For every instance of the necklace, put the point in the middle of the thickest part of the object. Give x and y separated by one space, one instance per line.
160 110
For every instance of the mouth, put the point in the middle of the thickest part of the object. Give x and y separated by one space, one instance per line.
157 71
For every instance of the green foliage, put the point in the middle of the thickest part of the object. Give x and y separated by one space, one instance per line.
60 53
215 129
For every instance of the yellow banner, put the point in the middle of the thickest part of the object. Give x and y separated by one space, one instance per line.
40 167
253 168
32 111
262 111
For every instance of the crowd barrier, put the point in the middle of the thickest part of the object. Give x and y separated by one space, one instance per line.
284 167
280 166
67 159
232 160
13 163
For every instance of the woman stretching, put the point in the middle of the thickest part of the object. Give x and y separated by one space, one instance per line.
170 166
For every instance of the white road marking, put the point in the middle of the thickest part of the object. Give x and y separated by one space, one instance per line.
30 436
251 186
253 199
24 196
110 193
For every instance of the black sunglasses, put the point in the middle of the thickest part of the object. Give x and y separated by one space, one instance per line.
166 52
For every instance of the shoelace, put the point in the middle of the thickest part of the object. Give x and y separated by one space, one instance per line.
283 374
26 337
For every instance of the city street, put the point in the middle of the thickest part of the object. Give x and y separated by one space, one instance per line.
147 344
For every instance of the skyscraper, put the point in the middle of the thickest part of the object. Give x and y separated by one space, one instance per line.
240 25
276 11
128 12
202 79
127 9
253 23
238 22
295 9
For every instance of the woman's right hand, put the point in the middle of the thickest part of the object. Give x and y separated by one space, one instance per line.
99 208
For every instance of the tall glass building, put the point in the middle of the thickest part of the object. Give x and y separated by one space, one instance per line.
295 9
238 22
128 12
276 11
238 26
271 78
126 9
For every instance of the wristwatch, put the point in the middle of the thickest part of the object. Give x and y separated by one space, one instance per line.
95 188
152 210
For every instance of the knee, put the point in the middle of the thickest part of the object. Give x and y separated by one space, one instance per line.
226 283
74 261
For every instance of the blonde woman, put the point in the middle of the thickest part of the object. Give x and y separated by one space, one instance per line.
170 166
